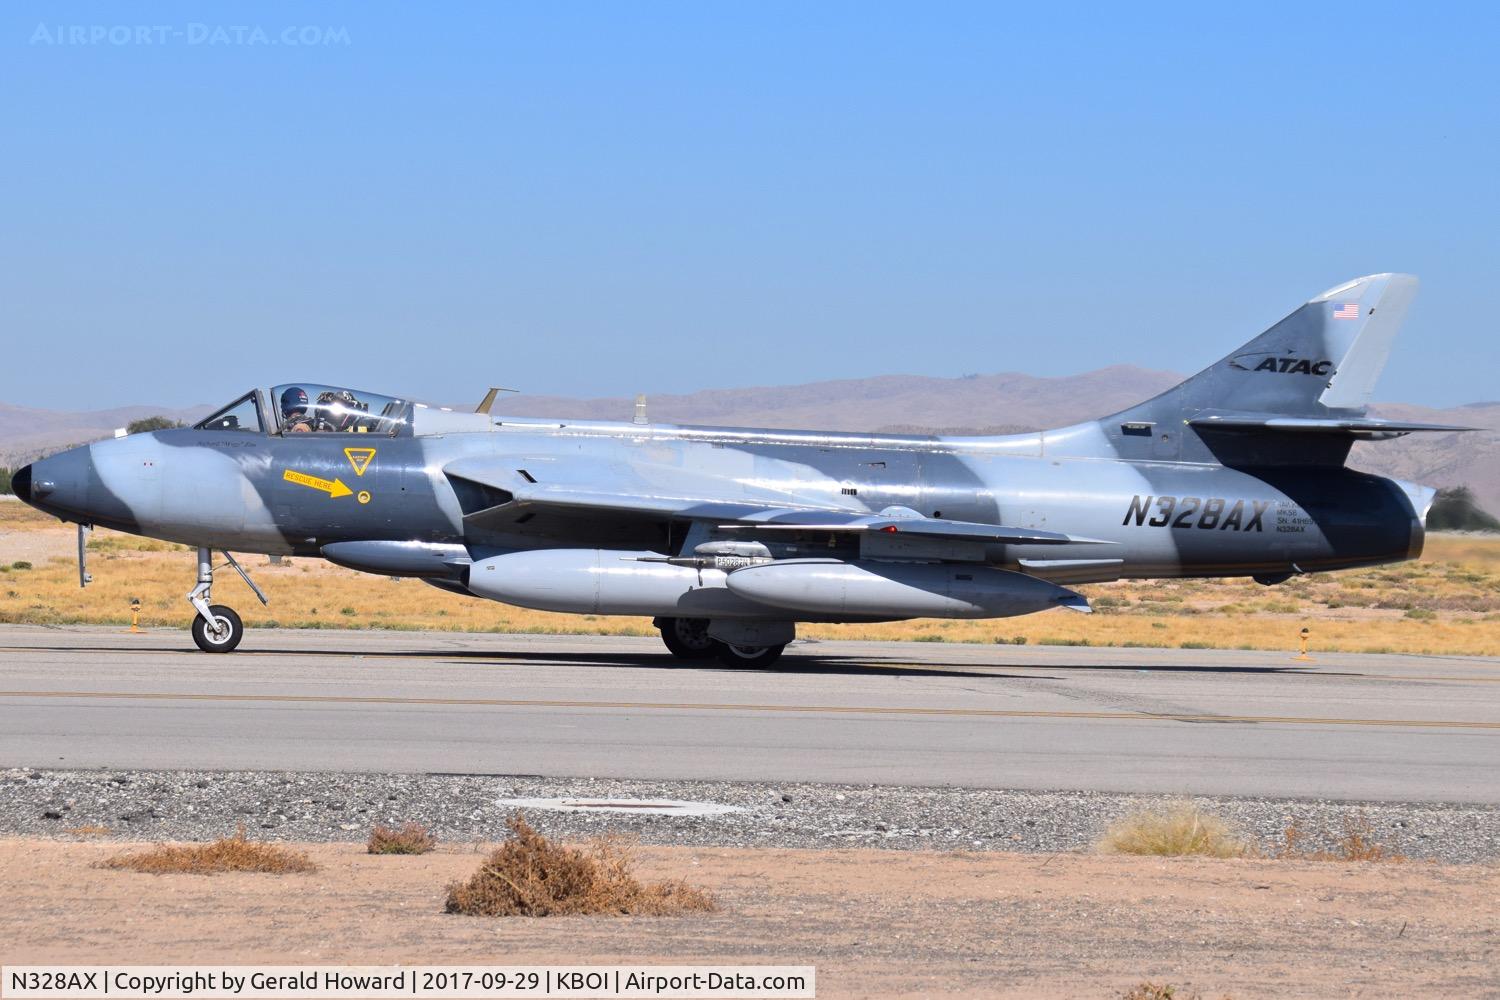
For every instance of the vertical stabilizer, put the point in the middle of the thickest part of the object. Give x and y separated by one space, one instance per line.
1319 363
1324 357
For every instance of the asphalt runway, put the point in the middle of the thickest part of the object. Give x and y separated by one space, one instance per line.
1351 727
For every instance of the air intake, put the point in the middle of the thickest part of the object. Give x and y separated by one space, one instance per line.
475 497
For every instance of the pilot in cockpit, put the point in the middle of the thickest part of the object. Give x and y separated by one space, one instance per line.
339 410
336 411
294 416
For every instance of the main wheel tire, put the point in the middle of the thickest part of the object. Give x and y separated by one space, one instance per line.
225 637
687 638
749 656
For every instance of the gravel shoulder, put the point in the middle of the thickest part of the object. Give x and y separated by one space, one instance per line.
873 923
302 806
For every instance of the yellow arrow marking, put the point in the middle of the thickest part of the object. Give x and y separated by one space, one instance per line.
334 488
359 459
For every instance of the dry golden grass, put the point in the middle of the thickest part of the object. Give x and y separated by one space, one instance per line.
1182 830
16 516
229 854
1147 990
1176 831
87 830
1446 603
529 876
1356 843
1152 991
305 593
413 838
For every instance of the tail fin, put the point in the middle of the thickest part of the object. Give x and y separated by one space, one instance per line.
1312 372
1321 360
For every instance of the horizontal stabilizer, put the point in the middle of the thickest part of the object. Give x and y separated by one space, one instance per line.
1364 428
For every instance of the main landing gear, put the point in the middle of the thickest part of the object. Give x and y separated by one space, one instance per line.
217 629
749 656
688 639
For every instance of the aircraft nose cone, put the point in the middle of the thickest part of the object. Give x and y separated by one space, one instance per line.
20 483
58 484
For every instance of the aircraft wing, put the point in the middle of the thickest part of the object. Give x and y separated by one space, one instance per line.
517 500
905 523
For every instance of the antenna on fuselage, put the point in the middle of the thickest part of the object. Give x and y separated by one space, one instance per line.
489 398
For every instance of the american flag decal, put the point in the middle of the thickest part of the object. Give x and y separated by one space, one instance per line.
1349 310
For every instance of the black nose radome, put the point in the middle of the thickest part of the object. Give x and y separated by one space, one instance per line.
20 483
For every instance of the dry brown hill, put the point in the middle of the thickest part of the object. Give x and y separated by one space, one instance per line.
1009 399
27 432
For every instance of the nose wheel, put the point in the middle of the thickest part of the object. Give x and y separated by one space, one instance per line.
223 635
217 629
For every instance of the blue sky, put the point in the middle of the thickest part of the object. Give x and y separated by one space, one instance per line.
614 198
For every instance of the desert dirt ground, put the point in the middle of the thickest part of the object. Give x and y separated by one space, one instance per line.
1446 603
874 923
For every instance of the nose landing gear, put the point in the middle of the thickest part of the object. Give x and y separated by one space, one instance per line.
217 629
223 635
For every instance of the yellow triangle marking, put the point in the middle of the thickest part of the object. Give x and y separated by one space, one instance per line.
359 459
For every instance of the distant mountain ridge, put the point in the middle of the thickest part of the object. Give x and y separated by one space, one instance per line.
1008 399
28 432
992 404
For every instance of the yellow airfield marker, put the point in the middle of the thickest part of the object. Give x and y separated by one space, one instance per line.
1302 651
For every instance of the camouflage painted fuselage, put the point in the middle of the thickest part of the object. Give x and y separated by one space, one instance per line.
1167 518
1238 471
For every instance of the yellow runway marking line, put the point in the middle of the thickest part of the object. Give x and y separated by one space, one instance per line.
1404 677
976 670
980 713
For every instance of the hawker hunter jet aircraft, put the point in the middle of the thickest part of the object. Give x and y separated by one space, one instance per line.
728 537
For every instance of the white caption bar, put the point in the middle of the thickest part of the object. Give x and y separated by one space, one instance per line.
667 982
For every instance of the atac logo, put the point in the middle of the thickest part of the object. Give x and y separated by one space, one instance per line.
1282 364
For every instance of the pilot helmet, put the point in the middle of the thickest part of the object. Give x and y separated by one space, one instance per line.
293 400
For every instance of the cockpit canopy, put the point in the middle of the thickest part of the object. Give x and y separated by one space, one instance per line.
311 408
